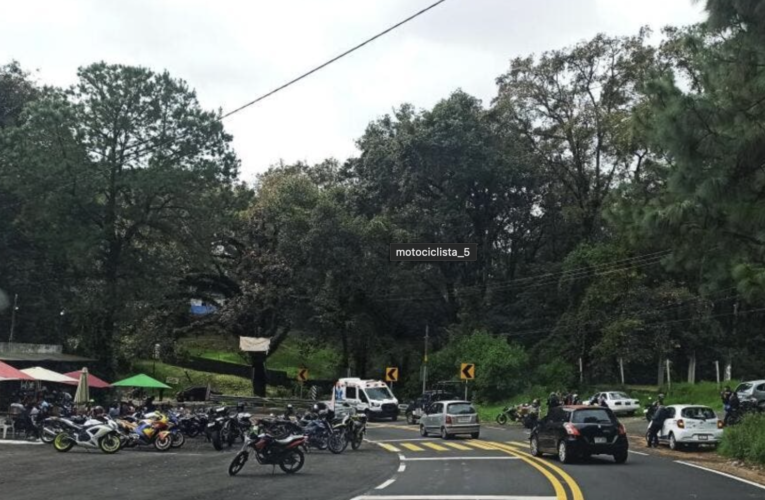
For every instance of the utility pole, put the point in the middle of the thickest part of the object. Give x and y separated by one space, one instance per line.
13 315
425 362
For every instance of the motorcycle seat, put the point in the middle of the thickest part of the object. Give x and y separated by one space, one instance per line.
289 439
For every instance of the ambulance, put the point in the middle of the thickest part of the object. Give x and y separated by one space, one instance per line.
371 397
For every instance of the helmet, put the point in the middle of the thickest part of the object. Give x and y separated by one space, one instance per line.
98 411
660 397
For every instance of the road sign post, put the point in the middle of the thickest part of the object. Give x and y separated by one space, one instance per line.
391 375
467 372
302 377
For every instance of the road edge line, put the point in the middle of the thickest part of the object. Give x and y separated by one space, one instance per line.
725 474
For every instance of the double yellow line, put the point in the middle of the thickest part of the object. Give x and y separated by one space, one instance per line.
552 472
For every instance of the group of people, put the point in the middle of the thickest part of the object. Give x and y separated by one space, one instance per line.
562 398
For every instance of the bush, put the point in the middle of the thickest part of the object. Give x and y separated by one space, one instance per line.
745 441
501 368
557 375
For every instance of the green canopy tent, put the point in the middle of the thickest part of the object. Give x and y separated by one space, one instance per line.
141 380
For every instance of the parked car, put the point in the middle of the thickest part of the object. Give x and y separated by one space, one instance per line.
619 402
449 418
416 409
691 425
754 389
194 394
578 432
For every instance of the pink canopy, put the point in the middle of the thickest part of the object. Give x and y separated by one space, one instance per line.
93 381
7 372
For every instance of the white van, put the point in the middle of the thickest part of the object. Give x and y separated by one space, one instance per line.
371 397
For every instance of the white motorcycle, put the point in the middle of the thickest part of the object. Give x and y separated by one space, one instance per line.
104 435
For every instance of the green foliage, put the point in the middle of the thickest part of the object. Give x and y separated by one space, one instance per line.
557 373
500 366
227 384
745 441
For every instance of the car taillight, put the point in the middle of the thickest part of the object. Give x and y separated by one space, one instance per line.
571 430
681 424
720 424
622 430
448 419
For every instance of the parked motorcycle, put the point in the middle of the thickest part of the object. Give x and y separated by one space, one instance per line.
226 429
152 430
357 430
92 434
320 433
268 450
53 426
526 414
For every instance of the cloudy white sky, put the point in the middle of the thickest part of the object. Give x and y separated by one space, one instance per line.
234 50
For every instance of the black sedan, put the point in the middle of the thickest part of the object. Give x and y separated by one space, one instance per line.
578 432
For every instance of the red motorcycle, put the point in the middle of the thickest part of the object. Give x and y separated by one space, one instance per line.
285 453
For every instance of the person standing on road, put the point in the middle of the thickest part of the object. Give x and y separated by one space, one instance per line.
553 401
657 424
732 407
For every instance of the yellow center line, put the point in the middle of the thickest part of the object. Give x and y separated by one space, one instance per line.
458 446
575 490
435 446
412 447
388 447
518 443
560 492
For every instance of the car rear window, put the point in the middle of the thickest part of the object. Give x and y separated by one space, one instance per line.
460 409
619 395
698 413
592 416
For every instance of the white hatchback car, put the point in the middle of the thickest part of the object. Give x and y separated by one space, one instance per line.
691 425
619 402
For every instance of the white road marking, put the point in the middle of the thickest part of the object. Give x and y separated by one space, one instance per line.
731 476
401 457
402 467
386 484
426 459
640 453
15 441
452 497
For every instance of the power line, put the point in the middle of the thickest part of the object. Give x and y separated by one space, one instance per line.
334 59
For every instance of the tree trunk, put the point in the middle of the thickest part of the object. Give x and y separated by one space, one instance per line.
346 359
692 368
258 361
660 373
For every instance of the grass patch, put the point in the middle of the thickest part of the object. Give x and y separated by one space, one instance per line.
227 384
745 441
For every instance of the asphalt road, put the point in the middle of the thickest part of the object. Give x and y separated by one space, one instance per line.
395 464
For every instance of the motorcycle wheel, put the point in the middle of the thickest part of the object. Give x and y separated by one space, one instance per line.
237 463
357 440
63 442
163 444
192 432
216 441
178 440
292 461
336 443
501 419
48 434
110 443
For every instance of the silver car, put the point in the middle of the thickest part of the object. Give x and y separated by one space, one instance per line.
449 418
754 389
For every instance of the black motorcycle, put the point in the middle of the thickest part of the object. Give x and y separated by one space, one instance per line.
320 433
356 430
226 428
268 450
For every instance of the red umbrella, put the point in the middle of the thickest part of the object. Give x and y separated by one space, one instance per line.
93 381
7 372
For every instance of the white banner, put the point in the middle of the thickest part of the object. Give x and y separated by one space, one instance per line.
254 344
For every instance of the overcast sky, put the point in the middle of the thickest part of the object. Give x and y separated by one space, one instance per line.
234 50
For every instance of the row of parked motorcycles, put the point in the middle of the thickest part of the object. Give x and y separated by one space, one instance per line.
283 441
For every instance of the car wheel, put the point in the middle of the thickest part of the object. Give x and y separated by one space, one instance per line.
620 457
563 455
423 432
394 418
475 435
410 418
673 444
444 434
534 446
